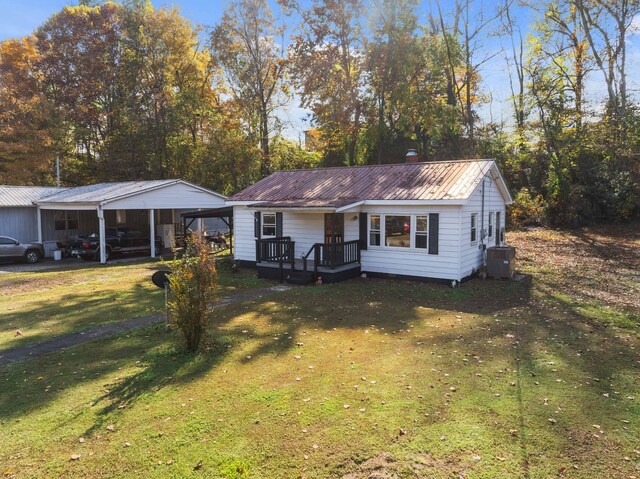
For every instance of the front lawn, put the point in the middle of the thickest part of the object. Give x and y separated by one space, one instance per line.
367 378
37 306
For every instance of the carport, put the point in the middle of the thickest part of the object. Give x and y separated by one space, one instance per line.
224 213
155 199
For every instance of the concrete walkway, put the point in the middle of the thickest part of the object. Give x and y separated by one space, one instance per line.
73 339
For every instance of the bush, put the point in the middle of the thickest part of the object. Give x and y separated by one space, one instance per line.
193 284
527 210
227 264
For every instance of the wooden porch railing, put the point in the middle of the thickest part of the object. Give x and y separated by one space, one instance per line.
333 255
276 250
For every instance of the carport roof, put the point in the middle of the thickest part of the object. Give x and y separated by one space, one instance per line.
102 193
24 195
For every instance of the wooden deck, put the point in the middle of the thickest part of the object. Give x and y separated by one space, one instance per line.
329 275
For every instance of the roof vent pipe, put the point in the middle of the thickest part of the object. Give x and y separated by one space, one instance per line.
411 157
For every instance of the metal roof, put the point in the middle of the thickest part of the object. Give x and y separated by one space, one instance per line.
101 192
25 195
224 212
339 186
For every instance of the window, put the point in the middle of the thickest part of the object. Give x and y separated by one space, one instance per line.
397 231
121 217
7 241
374 230
474 227
490 224
422 232
268 224
65 220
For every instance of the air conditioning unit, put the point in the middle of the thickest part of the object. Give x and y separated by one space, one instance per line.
501 261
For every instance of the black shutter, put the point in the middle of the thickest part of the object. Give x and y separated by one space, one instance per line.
363 230
257 225
434 227
278 225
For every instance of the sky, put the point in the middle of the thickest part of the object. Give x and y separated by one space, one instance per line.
20 18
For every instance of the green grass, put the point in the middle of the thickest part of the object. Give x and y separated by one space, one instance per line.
439 383
37 306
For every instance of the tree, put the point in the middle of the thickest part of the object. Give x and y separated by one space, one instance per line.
26 125
606 24
245 46
192 283
327 67
393 60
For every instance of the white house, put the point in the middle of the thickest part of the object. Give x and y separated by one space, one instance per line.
416 220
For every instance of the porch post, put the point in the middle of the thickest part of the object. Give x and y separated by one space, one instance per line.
152 231
39 215
103 242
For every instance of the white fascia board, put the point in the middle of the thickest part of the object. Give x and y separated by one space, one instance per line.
414 202
298 209
68 206
204 190
342 209
242 203
502 185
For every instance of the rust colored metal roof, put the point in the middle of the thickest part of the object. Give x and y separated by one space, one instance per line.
340 186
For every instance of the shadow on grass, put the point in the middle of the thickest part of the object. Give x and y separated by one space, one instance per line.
75 312
498 321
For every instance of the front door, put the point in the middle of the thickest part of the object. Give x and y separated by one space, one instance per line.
334 228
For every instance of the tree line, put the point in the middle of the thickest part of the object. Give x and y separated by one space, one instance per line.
122 90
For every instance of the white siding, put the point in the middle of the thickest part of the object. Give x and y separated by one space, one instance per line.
305 229
471 254
245 244
20 223
444 265
177 196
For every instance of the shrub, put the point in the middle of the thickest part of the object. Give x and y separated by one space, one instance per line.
527 210
193 284
227 264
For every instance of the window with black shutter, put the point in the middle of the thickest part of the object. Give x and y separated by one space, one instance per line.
434 232
257 225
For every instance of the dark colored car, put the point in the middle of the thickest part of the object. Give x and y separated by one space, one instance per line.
118 240
12 249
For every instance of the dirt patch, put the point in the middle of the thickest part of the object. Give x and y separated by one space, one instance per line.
385 466
601 263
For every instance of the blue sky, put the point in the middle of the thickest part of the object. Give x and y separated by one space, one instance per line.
19 18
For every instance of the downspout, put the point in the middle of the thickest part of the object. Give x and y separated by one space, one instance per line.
482 230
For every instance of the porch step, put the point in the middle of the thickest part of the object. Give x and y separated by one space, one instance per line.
300 277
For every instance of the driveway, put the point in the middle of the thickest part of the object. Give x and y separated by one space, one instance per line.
67 263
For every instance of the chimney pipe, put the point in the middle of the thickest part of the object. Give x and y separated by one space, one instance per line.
411 157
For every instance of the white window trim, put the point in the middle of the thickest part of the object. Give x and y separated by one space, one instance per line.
371 230
473 227
415 231
275 227
490 225
412 237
